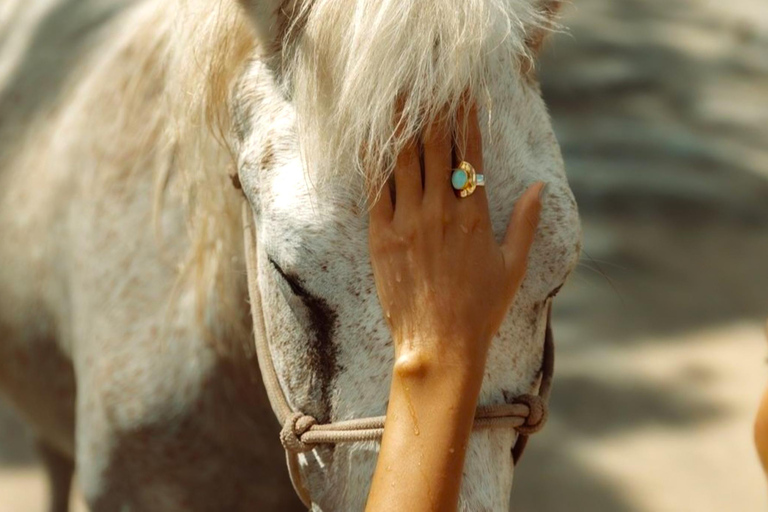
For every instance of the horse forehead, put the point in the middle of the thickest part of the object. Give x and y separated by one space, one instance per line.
311 218
296 209
300 215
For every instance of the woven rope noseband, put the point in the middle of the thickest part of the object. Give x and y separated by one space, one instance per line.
301 433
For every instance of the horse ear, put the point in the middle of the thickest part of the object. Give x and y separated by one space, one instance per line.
270 20
535 39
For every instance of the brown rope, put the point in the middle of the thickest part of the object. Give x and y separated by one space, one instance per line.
527 414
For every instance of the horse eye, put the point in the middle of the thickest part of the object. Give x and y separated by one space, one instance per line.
554 292
292 280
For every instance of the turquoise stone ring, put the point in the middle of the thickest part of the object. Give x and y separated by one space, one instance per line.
459 179
465 179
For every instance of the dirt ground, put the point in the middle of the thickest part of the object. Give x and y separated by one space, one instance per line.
661 107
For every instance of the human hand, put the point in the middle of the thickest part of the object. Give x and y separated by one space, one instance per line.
444 282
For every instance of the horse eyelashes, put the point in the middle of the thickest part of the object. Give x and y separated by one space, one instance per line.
293 282
321 350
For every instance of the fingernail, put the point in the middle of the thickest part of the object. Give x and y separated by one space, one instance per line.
543 189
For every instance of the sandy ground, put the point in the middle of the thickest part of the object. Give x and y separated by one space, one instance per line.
661 107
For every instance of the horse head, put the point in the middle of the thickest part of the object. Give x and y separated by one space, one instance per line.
313 120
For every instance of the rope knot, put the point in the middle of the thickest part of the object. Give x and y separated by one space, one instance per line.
295 426
537 414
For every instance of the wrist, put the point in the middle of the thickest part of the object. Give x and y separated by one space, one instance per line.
436 350
438 365
433 396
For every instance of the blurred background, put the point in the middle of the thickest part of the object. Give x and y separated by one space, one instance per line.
661 108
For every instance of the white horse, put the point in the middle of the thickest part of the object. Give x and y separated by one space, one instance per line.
125 335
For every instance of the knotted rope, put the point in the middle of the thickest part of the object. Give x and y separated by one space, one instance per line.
301 433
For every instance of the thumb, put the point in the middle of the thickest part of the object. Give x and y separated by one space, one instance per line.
521 232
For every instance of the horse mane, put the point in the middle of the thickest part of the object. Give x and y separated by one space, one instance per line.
194 51
347 67
365 76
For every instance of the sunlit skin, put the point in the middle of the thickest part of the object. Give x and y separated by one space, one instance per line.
761 427
445 286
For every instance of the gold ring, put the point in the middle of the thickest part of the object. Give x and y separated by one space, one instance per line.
465 179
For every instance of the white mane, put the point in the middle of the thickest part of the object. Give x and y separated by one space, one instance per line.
355 59
345 64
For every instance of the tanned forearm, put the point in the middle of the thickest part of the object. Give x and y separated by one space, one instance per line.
445 285
429 420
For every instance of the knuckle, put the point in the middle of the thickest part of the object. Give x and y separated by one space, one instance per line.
433 218
385 242
410 236
406 234
473 221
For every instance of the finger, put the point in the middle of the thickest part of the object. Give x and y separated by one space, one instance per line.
469 147
382 209
437 160
408 189
521 231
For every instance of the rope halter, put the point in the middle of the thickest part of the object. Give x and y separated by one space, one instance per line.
301 433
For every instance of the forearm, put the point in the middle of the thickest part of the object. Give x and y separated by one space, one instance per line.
429 420
445 286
